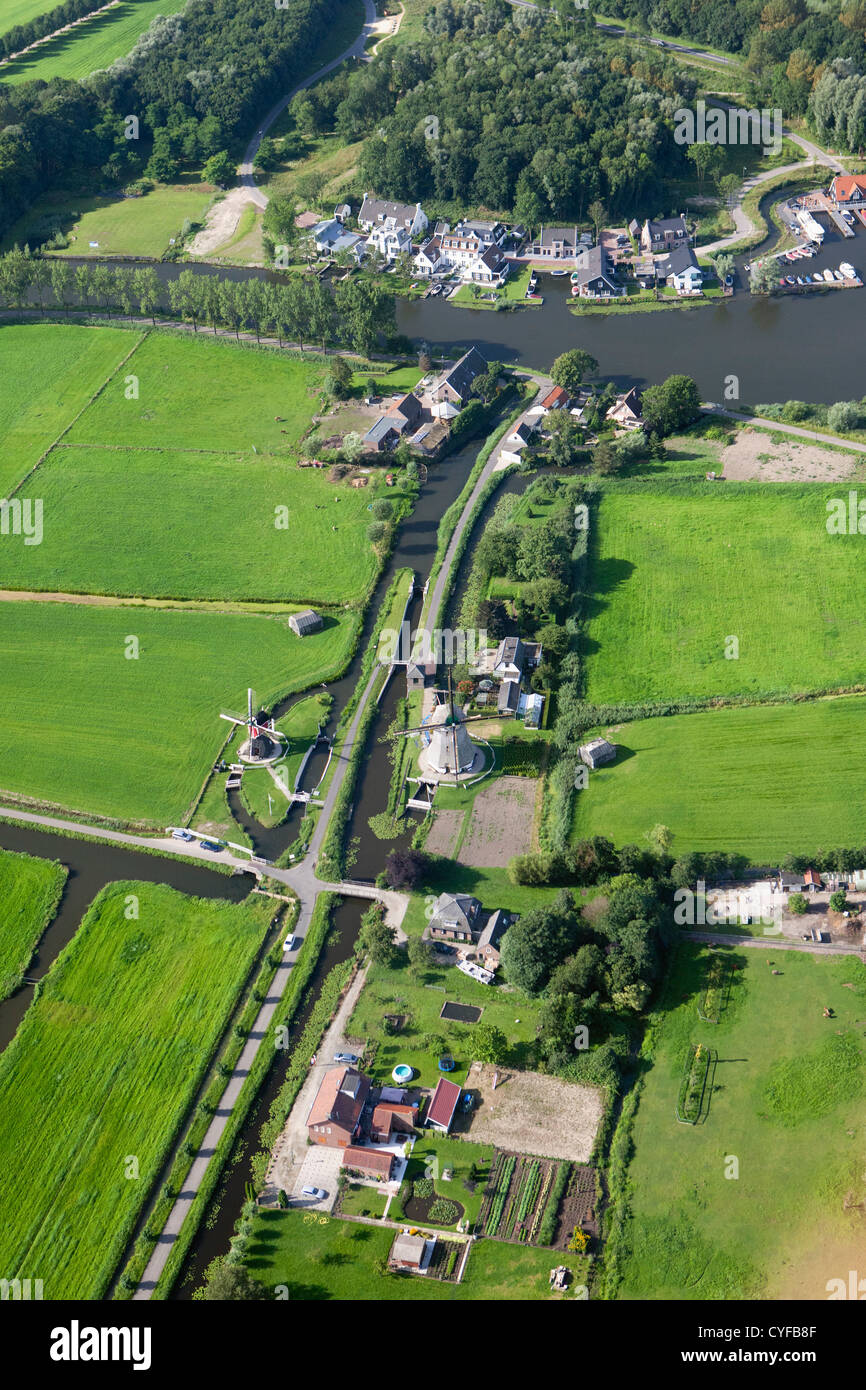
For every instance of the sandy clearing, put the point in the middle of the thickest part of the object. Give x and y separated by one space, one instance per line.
533 1114
755 456
222 222
501 822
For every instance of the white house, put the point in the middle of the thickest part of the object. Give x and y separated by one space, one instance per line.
324 234
376 211
428 260
516 442
389 239
473 249
681 270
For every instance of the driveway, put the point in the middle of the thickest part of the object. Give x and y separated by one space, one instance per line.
320 1168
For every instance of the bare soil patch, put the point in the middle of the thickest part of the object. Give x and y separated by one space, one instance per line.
501 822
222 222
442 835
754 456
533 1114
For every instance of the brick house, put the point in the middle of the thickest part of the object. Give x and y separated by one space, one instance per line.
335 1115
368 1163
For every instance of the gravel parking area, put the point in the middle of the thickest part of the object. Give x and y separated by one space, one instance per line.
533 1114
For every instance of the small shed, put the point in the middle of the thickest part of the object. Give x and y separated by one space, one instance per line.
302 624
597 752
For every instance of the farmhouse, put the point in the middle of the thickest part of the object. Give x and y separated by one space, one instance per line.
597 752
376 211
454 917
664 233
335 1114
487 949
440 1114
385 434
302 624
368 1163
456 384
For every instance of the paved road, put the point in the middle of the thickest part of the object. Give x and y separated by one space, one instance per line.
813 435
355 50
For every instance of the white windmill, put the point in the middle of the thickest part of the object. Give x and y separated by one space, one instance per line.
263 743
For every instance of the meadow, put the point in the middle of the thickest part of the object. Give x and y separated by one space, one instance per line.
194 525
323 1258
135 226
134 738
112 1050
743 779
787 1103
679 569
49 373
91 46
22 11
30 890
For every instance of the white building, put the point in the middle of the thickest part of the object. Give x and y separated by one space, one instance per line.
376 211
390 239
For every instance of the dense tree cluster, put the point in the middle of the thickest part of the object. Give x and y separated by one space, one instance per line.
194 81
300 310
788 44
516 111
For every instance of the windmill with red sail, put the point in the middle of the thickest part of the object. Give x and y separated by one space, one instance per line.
263 743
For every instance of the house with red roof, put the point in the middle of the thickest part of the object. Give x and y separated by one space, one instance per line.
335 1115
849 190
440 1113
391 1116
377 1164
557 399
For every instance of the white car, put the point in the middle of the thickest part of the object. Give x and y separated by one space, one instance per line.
290 943
182 835
318 1194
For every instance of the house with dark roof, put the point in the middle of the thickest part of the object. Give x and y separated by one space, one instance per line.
383 436
455 917
369 1163
440 1113
429 260
419 674
407 408
474 249
680 269
626 411
456 384
375 212
335 1115
593 278
508 697
664 233
597 752
555 244
487 948
302 624
789 881
510 658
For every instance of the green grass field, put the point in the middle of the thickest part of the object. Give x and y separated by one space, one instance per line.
680 568
325 1258
91 46
134 738
194 525
30 890
197 474
135 226
113 1050
787 1104
741 779
15 12
49 373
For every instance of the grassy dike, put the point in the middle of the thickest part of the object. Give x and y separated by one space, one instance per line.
291 1002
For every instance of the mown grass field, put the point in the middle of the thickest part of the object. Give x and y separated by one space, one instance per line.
135 226
680 568
30 890
90 46
16 12
134 738
194 525
112 1051
49 373
788 1105
743 779
323 1258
